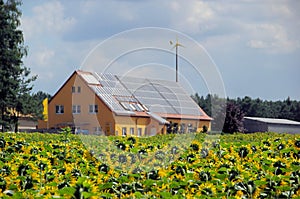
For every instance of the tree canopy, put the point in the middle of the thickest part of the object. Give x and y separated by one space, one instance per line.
286 109
15 79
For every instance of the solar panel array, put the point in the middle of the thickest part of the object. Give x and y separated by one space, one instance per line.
90 79
128 94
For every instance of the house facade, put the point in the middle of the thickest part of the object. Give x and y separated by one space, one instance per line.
113 105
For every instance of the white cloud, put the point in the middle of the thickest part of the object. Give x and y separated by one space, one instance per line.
43 57
257 44
281 10
192 16
60 33
274 38
122 10
46 19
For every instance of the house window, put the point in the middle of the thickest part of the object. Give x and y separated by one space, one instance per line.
59 109
76 109
190 128
131 131
73 89
93 108
78 89
182 128
139 132
98 130
78 130
124 131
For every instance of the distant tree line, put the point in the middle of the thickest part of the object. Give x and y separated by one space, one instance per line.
237 108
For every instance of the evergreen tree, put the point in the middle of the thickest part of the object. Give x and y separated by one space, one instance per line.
287 109
246 105
38 100
297 113
15 80
234 119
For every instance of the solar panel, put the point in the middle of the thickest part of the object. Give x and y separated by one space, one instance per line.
146 87
147 94
163 89
154 101
169 96
108 76
120 92
124 105
165 83
177 90
140 107
186 104
116 106
162 109
124 95
183 97
111 84
132 107
128 79
89 78
174 103
188 111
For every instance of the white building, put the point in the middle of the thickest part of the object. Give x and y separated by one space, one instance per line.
258 124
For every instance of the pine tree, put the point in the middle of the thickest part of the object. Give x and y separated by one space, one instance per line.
15 80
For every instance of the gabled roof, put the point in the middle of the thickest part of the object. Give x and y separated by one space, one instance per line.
132 95
273 120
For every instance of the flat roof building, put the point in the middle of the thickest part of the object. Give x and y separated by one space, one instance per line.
258 124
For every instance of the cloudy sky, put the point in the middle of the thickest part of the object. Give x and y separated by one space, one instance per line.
246 48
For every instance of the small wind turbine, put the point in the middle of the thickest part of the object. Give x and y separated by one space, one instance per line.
176 45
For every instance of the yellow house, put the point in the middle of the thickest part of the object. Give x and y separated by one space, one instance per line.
114 105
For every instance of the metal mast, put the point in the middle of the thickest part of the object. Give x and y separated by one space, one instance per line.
176 45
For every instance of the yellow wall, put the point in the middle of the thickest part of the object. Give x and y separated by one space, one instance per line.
63 97
195 123
84 120
130 122
109 123
207 123
151 127
148 125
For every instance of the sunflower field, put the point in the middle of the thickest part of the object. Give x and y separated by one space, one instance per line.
260 165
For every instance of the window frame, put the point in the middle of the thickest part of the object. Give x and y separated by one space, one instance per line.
124 131
59 109
98 130
139 132
77 109
93 108
131 131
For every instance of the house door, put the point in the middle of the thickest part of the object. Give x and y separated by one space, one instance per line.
108 129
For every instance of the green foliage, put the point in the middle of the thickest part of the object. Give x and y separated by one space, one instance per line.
15 80
38 98
234 119
286 109
234 166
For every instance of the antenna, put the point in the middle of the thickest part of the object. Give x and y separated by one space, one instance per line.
176 45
